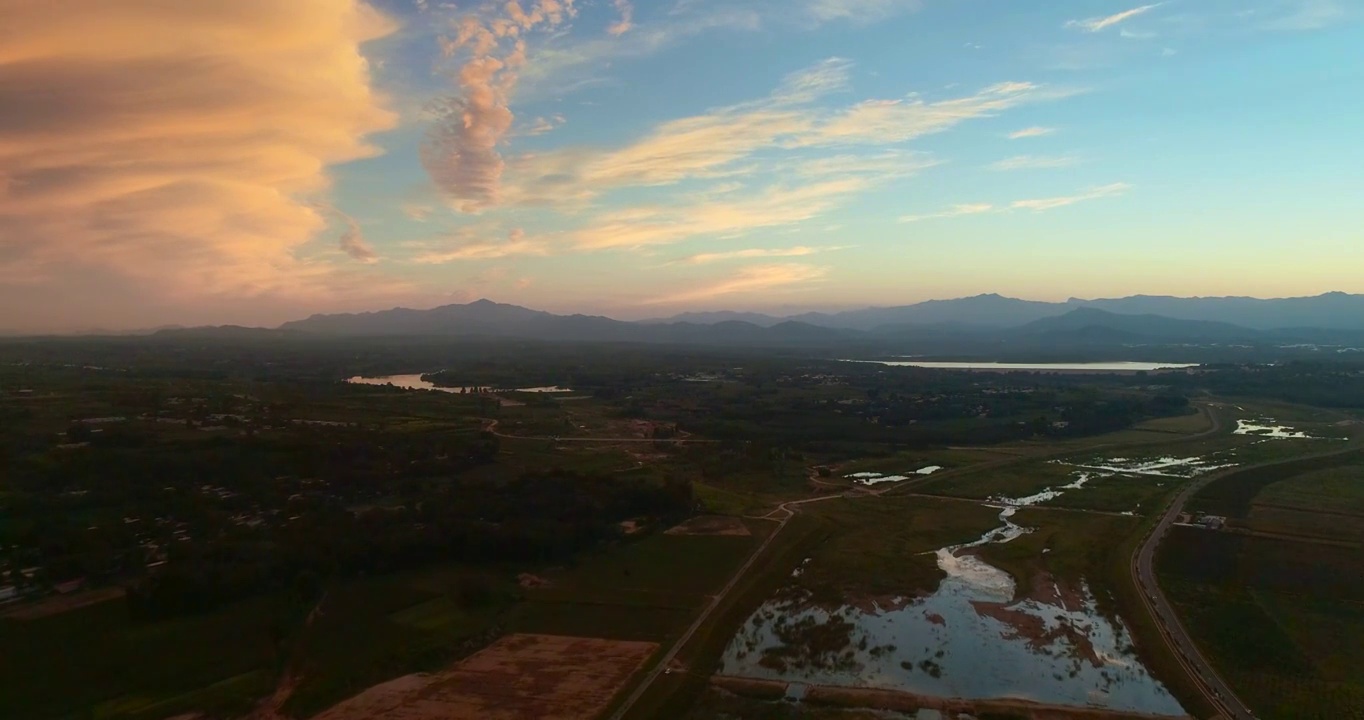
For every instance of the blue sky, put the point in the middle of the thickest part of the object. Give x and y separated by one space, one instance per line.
644 157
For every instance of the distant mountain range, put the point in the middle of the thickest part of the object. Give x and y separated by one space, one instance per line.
979 321
1335 310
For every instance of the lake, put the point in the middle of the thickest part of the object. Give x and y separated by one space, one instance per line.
1037 367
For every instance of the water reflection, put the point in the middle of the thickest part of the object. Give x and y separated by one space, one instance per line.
972 638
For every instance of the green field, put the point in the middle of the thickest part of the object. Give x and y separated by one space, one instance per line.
884 546
1071 547
1138 494
1017 480
98 657
646 590
1333 490
1281 612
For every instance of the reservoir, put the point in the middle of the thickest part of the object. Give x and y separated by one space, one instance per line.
1118 367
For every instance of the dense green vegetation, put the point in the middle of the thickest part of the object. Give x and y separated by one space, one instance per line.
270 522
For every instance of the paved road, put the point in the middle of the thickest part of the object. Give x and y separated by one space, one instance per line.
1214 689
1186 651
788 510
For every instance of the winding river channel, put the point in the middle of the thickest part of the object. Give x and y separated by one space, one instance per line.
975 637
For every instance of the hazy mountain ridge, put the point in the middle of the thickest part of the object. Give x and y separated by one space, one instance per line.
1333 310
1334 317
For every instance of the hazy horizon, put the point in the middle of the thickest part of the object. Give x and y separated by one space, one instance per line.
643 314
250 162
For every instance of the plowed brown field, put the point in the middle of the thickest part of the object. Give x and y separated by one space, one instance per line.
520 677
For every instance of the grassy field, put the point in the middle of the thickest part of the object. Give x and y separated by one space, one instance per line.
1334 490
1326 504
1283 622
1072 547
884 546
1119 493
1012 481
672 695
1281 615
1180 424
374 629
97 657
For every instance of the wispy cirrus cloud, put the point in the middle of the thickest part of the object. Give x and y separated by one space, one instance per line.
1301 15
776 206
951 212
467 246
1034 204
1052 203
1031 132
727 141
858 11
751 253
748 280
1034 162
542 125
1097 24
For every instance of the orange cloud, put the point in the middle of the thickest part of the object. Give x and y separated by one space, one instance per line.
481 249
181 145
750 279
726 142
460 152
627 15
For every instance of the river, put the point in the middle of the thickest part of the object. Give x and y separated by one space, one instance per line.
974 637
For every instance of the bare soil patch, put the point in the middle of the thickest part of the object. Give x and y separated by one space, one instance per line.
527 580
520 677
711 525
59 604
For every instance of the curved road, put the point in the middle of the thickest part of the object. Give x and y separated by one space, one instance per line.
1216 690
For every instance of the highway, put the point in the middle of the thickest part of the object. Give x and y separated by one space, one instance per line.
1198 668
1216 690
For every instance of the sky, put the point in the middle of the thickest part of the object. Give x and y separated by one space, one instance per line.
256 161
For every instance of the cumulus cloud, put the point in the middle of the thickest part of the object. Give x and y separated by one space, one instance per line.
181 144
352 242
747 280
1052 203
1097 24
1034 162
461 150
1031 132
626 21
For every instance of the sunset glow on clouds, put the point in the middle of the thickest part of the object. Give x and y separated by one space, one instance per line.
252 161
